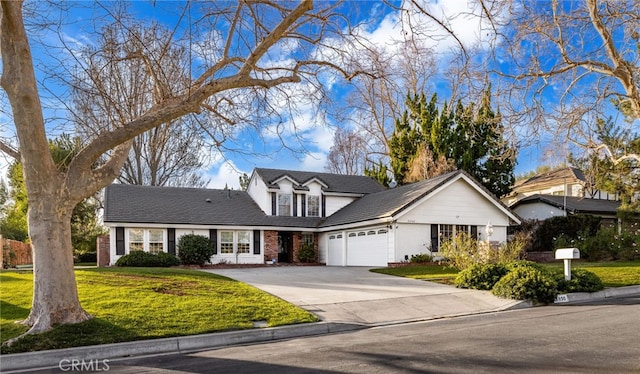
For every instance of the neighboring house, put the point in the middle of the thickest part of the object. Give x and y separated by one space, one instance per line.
541 207
567 181
350 220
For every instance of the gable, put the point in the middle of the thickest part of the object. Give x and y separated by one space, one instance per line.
456 203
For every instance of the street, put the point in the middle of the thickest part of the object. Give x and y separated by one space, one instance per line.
588 338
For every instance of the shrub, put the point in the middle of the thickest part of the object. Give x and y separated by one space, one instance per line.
461 251
146 259
608 244
306 253
527 283
481 276
581 281
530 265
195 249
575 227
420 258
87 257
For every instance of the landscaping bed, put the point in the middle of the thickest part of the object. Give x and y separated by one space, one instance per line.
144 303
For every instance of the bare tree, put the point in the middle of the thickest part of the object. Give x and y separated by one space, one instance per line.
239 64
569 64
423 166
119 81
348 154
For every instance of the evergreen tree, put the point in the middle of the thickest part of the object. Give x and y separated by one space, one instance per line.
469 137
379 172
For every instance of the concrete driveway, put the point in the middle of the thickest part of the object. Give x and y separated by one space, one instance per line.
356 295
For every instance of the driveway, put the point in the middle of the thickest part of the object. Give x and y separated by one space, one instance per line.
356 295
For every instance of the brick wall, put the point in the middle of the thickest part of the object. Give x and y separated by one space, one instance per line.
270 245
104 251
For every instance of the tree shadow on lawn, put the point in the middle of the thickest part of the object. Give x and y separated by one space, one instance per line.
92 332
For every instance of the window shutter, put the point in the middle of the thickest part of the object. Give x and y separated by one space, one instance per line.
213 237
295 205
324 206
474 232
273 203
171 241
119 241
434 238
256 242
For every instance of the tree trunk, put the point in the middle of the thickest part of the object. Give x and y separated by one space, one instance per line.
55 294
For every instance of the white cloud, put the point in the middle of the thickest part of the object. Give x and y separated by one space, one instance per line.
314 161
223 174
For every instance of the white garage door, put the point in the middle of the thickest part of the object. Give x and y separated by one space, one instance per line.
367 247
334 257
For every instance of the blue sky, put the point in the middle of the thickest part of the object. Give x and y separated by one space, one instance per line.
313 138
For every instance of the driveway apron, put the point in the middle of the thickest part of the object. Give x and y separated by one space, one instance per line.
356 295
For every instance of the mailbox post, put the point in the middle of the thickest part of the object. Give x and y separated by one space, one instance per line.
567 254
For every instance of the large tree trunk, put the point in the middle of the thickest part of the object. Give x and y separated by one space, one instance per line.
55 294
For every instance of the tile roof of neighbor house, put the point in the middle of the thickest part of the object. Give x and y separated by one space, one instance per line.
356 184
574 204
193 206
570 173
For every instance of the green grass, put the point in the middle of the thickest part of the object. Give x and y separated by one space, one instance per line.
612 274
143 303
435 273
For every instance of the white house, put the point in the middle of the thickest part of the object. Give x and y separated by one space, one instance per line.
349 220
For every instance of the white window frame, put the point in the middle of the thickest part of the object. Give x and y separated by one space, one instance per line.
236 245
146 239
311 213
282 212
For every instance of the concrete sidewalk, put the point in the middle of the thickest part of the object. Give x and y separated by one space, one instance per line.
356 295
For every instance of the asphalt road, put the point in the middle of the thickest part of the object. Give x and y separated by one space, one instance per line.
602 337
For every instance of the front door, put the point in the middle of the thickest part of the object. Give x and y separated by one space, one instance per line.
285 247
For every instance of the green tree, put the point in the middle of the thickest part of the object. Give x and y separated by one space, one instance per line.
379 172
427 142
85 227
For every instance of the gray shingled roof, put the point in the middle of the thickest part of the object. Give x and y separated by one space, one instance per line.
574 204
569 173
335 182
171 205
386 203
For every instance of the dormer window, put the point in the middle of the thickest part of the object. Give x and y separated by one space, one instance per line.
313 205
284 204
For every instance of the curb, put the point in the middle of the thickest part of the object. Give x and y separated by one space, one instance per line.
180 344
607 293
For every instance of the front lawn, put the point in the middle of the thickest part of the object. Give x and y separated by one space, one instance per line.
143 303
612 274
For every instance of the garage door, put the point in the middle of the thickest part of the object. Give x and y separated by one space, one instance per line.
334 257
367 247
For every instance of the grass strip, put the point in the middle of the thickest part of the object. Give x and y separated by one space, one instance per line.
143 303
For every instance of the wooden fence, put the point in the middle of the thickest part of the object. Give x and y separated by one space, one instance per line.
14 253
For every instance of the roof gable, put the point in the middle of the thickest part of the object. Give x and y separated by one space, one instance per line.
353 184
573 204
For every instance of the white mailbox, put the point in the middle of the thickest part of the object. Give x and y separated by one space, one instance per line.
567 254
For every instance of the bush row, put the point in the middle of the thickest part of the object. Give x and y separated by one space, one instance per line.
192 249
526 280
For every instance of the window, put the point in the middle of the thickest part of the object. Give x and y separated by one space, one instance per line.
156 240
446 232
307 239
313 205
332 237
352 234
284 204
226 242
136 240
462 229
372 232
244 241
382 231
362 233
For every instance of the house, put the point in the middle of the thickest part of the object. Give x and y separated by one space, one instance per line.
541 207
349 220
567 181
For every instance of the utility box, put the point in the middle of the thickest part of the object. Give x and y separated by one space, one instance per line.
567 254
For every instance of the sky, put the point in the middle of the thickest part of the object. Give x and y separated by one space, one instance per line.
313 135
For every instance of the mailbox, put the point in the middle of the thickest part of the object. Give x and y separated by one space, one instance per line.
567 254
